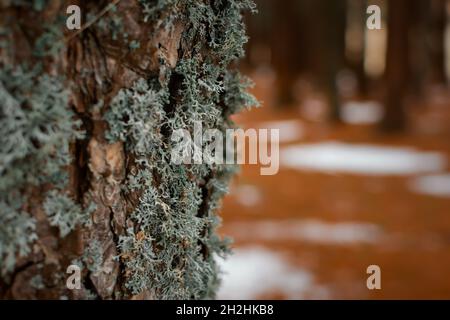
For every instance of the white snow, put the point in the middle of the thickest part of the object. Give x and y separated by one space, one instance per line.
361 112
247 195
310 230
360 159
434 185
251 272
314 109
290 130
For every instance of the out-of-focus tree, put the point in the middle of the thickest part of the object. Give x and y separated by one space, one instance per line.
418 36
331 50
308 37
258 49
355 42
437 51
287 48
397 66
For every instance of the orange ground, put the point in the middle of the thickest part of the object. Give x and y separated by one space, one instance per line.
414 253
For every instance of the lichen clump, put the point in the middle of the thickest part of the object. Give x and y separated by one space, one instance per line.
170 246
36 127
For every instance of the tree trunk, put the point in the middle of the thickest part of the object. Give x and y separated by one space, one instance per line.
331 50
437 43
336 60
86 122
356 16
286 41
419 48
258 51
396 65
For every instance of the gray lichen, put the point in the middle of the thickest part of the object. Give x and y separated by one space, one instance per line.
170 247
64 213
37 5
37 282
36 126
17 231
93 256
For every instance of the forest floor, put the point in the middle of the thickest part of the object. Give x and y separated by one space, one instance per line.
346 196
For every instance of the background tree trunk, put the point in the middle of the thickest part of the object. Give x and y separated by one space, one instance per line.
418 34
286 36
332 47
397 66
356 21
437 51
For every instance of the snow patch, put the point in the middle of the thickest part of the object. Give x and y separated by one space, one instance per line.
361 112
316 231
360 159
434 185
314 109
247 195
252 272
290 130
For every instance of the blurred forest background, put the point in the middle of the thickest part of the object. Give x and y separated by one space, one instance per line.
364 119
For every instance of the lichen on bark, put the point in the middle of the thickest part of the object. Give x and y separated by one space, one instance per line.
139 226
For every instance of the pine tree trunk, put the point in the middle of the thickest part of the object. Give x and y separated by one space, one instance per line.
397 67
419 48
356 10
437 43
287 51
136 225
331 50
